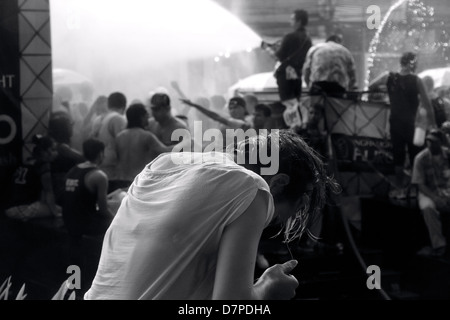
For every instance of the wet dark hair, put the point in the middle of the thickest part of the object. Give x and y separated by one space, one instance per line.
264 108
92 148
135 113
303 165
301 15
408 58
117 100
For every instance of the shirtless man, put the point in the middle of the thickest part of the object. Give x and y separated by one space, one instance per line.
135 146
163 123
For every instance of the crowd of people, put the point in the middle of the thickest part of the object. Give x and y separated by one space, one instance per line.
204 221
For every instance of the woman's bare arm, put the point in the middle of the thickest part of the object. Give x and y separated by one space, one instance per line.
237 256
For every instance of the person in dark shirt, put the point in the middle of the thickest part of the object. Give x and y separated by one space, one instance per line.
291 56
406 91
86 189
60 128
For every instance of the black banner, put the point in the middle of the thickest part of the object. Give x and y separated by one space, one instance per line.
359 153
10 116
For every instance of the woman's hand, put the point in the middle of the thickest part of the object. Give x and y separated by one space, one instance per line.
276 283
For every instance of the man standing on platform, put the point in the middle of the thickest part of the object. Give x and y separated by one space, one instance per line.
291 56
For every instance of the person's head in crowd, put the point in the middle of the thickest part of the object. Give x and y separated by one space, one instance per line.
408 61
160 106
261 116
44 148
301 184
250 102
117 102
337 38
60 127
434 141
237 108
100 105
93 150
218 103
299 18
137 116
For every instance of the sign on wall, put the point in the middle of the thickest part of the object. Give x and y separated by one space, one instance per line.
25 79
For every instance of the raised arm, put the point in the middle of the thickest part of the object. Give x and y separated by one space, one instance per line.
211 114
426 103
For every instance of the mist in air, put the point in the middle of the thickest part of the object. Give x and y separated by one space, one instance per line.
136 46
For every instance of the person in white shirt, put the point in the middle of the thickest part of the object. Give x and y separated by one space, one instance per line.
190 225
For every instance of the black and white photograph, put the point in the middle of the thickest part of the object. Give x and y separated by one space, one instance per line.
244 151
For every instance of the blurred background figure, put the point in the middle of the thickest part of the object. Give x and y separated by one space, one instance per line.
111 124
93 120
136 146
261 117
431 173
33 195
60 129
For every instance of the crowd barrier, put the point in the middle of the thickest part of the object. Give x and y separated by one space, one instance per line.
358 140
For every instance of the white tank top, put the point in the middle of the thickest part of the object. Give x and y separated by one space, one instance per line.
163 242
